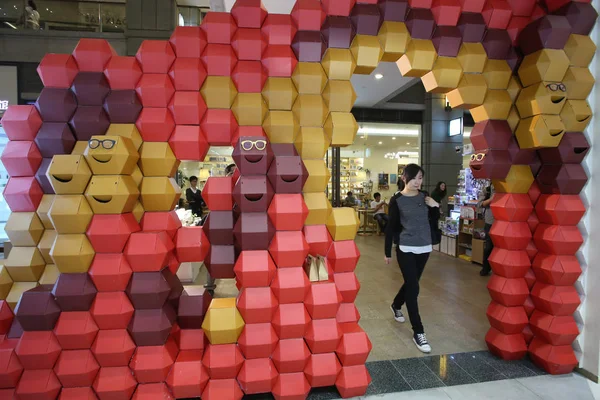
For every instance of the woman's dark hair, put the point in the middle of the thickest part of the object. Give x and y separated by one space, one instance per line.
401 185
377 194
193 178
31 4
349 194
229 169
411 171
488 193
438 188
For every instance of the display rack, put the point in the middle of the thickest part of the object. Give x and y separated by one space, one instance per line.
352 176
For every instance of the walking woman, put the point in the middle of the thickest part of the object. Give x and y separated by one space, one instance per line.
415 218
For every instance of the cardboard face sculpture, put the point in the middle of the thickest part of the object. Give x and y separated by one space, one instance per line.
253 194
252 155
112 194
111 155
69 174
287 173
490 164
542 98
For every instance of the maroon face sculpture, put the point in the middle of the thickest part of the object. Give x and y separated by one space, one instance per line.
253 193
561 179
287 173
572 149
490 164
252 155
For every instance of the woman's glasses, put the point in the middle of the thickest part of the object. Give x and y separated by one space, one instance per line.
260 145
106 143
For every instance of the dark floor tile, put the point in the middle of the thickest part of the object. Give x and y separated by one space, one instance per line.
416 374
477 366
386 378
511 369
448 371
326 393
260 396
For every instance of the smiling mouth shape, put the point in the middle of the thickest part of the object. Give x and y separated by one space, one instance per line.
253 197
476 167
557 99
254 158
102 199
63 178
556 132
289 178
582 119
102 159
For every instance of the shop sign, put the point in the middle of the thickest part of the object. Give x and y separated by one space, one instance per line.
3 105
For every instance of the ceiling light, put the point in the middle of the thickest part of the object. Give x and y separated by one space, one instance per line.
378 76
380 142
407 142
393 138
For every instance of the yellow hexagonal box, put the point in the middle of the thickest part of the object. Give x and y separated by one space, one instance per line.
46 244
496 105
576 115
16 291
44 208
343 224
394 38
497 74
25 264
318 176
419 58
111 155
312 143
218 91
444 76
310 110
540 131
69 174
580 50
50 275
541 98
112 194
6 283
338 64
70 213
129 131
472 57
519 180
548 65
579 83
159 193
341 129
249 109
280 93
319 208
72 253
281 126
137 176
223 323
309 78
339 96
367 52
24 229
470 92
157 159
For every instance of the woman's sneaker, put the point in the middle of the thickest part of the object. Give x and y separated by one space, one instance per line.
398 316
421 342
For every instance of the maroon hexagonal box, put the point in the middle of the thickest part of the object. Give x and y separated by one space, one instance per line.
89 121
393 10
42 177
74 292
148 290
472 27
220 261
252 155
548 32
123 106
152 327
491 134
37 311
497 44
447 41
582 16
253 193
90 88
366 19
56 105
420 23
219 227
338 32
491 164
309 46
253 231
561 179
55 138
572 149
192 310
287 173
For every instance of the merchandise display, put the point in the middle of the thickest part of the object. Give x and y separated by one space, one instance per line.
276 88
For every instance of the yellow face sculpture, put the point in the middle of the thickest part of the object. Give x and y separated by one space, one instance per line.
542 98
111 155
69 174
112 194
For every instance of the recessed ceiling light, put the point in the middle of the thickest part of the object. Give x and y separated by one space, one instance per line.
407 142
380 142
378 76
393 138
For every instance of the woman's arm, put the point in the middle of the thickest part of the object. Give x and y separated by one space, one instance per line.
393 226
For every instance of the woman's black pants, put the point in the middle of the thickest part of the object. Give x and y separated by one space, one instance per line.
412 267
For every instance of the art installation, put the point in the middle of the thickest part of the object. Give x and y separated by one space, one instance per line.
92 307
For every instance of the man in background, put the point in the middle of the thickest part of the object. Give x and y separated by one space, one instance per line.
379 214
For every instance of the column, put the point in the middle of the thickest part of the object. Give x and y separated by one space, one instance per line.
149 19
439 155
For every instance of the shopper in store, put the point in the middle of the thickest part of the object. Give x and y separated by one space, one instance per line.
30 19
415 218
379 214
488 197
439 194
194 197
230 169
350 200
